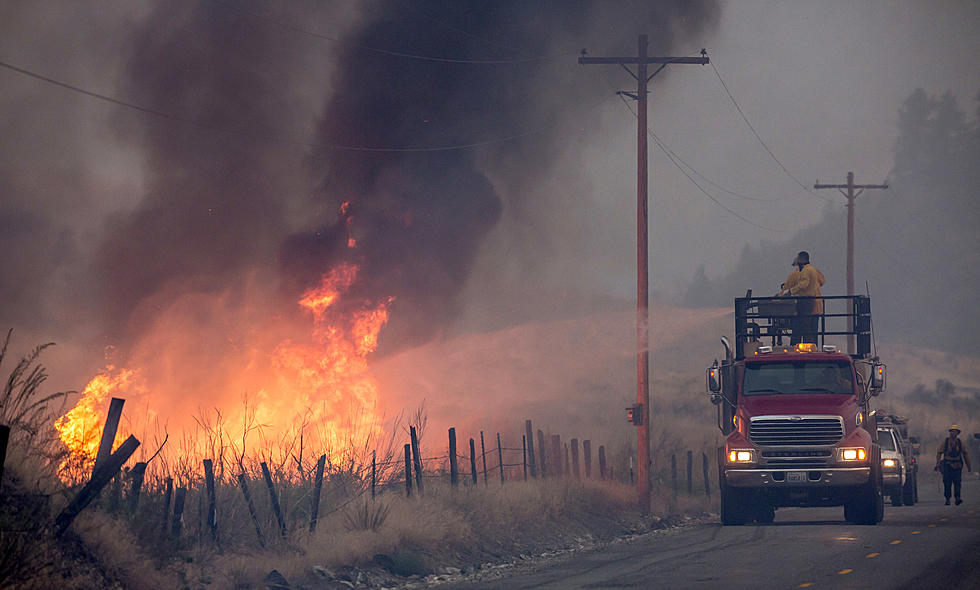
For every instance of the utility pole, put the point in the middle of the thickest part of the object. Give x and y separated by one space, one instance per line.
851 195
641 412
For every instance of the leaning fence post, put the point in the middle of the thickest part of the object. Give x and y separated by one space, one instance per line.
317 487
100 478
408 470
273 498
500 459
242 483
575 470
529 450
690 473
704 470
673 473
483 453
209 483
418 459
167 494
587 455
473 459
602 462
109 432
453 465
179 497
541 452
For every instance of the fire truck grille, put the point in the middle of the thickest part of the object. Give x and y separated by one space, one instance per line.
796 430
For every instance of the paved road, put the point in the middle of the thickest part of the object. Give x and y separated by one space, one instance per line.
928 545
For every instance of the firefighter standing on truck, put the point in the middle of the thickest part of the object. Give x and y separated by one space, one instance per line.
949 460
805 282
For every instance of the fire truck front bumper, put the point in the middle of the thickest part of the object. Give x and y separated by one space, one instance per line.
778 478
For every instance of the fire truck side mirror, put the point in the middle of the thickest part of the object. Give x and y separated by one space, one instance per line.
713 378
877 378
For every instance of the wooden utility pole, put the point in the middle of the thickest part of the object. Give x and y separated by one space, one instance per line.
641 412
851 195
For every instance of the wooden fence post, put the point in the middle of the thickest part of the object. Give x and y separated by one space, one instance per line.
136 474
704 470
178 522
273 498
568 465
109 432
418 459
556 455
4 437
541 453
575 470
483 453
673 473
167 495
690 473
524 449
529 450
453 464
317 488
100 478
500 459
374 472
408 470
209 483
587 455
473 459
242 483
602 462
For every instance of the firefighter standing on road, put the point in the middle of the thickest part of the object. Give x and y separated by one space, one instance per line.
805 282
949 460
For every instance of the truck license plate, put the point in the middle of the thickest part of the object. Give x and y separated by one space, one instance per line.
796 476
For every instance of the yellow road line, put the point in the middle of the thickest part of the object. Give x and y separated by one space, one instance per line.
895 542
932 526
805 585
870 555
943 519
844 572
916 532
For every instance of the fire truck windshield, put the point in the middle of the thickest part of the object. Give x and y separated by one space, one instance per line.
794 377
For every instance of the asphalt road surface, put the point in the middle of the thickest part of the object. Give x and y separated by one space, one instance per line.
929 545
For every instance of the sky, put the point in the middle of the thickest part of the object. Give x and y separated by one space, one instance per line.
104 205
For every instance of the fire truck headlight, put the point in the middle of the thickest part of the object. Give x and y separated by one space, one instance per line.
854 454
741 456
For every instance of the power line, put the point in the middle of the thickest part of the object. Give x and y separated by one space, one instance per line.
279 139
758 137
388 52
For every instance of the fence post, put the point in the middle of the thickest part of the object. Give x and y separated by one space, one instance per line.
179 497
690 473
318 487
109 432
100 478
602 462
587 455
529 450
524 449
4 437
673 473
418 459
575 470
473 459
500 459
556 456
374 472
408 470
704 470
483 453
541 453
251 507
209 482
273 498
568 466
136 473
167 494
453 465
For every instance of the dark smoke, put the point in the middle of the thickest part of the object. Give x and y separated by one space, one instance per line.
419 218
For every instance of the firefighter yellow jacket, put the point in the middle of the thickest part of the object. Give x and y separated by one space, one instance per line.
808 284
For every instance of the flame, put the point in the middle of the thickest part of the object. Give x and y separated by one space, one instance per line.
315 386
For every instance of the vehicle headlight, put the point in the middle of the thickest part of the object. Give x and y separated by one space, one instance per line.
889 463
853 454
741 456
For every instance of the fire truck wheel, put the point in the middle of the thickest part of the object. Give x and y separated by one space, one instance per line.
896 499
765 512
733 506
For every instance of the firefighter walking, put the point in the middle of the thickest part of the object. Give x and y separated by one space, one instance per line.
950 459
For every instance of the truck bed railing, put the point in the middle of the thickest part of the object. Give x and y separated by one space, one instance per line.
773 321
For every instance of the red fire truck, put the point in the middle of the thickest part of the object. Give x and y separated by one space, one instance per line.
796 418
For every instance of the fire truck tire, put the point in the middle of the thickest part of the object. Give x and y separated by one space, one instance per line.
733 506
896 498
765 512
909 491
867 507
